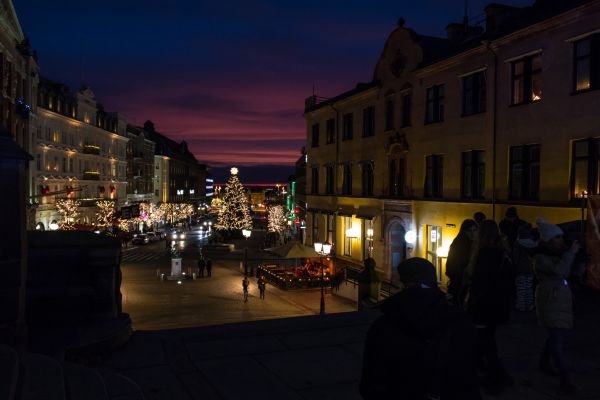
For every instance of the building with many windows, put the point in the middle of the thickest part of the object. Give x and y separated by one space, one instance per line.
80 152
178 176
19 76
503 113
140 166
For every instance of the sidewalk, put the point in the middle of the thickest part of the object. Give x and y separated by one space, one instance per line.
320 357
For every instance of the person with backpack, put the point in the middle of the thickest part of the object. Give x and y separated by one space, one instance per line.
421 347
490 302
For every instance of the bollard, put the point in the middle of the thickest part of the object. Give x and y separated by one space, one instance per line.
157 273
162 277
194 276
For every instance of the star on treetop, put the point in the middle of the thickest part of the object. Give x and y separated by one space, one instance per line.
234 171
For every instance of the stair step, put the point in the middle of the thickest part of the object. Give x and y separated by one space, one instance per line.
43 378
9 372
83 383
120 387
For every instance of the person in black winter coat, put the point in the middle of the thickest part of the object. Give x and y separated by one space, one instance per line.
459 255
489 302
421 347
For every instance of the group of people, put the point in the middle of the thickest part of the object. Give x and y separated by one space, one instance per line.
260 282
204 265
491 269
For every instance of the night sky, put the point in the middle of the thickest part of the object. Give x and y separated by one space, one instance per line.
229 77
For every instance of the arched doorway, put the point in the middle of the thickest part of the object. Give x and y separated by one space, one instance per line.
397 247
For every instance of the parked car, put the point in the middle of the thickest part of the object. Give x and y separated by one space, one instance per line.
141 239
153 236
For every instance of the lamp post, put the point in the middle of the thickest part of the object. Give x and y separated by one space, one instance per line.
584 196
370 239
246 233
323 249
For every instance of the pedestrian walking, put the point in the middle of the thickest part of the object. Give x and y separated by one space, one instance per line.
489 303
421 347
459 255
208 267
553 300
522 254
262 286
201 266
245 284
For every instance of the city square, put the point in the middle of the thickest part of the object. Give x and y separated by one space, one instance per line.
286 200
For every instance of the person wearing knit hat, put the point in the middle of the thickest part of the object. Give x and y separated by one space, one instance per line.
552 264
547 231
417 270
421 347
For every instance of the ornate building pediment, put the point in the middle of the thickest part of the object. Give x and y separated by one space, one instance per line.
397 144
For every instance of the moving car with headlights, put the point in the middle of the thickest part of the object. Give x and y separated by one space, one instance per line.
177 235
141 239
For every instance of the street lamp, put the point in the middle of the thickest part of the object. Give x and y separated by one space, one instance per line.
246 233
584 196
323 249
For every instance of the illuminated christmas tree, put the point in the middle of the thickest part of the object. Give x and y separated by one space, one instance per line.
234 214
277 219
106 212
69 209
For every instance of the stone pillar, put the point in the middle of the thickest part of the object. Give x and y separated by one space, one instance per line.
13 246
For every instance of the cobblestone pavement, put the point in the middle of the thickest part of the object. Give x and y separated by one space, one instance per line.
155 304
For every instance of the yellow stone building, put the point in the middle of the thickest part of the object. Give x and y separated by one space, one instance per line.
493 116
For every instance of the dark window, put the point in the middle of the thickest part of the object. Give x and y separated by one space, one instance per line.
397 177
474 92
586 167
330 131
473 174
367 178
406 110
39 162
527 79
586 63
314 184
389 115
348 131
524 175
315 135
369 121
435 104
434 178
347 181
329 179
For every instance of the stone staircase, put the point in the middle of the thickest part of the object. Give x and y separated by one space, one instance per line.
39 377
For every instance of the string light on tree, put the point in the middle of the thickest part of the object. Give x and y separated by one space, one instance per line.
234 213
69 210
276 219
106 212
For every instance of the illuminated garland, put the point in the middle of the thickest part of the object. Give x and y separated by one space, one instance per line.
106 212
69 210
277 219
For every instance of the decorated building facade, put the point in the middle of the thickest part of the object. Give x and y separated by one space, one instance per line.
79 152
499 114
140 166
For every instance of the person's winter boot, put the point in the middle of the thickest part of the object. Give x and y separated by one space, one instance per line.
566 386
